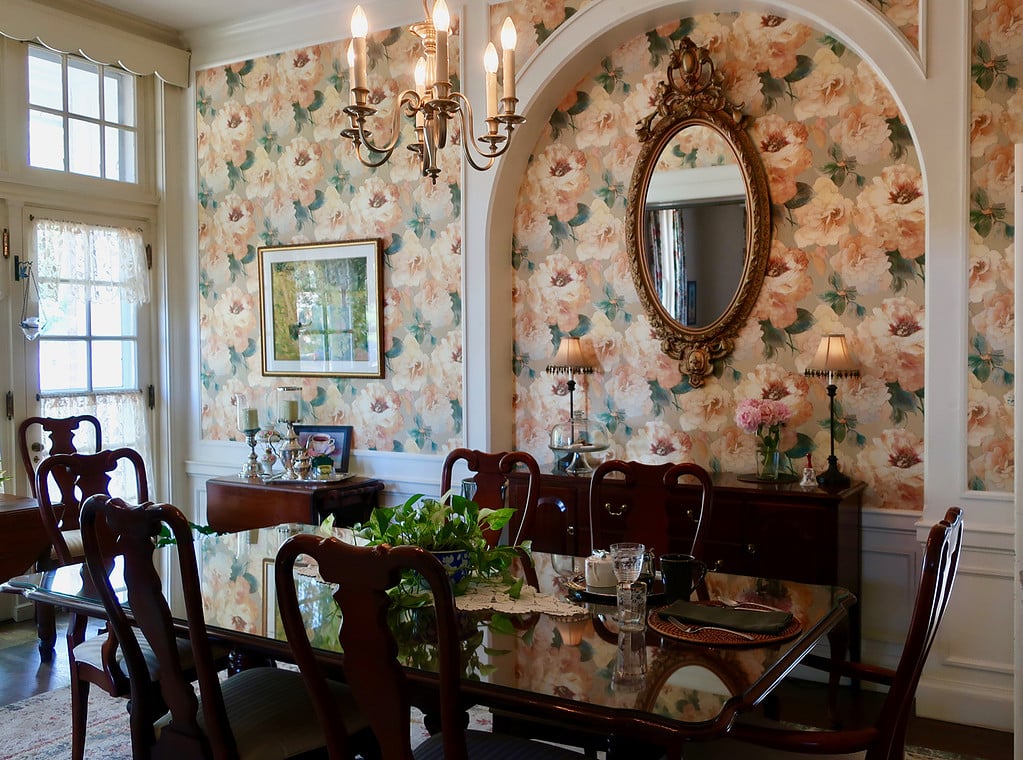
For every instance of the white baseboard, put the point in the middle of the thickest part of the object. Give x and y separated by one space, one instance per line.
957 702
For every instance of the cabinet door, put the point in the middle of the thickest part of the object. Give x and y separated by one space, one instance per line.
725 546
794 542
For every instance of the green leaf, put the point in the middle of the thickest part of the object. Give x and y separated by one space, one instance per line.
501 623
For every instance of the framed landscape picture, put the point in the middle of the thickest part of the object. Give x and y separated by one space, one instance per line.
334 441
321 309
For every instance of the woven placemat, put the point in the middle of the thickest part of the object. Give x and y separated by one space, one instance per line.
718 637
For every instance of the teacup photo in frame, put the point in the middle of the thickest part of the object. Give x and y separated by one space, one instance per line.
334 441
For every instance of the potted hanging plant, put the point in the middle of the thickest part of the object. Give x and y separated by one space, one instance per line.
452 528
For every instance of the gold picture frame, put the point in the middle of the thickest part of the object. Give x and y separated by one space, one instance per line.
322 307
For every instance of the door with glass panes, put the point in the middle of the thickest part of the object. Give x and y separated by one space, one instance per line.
91 297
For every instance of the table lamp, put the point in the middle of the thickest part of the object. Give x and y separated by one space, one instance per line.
579 435
832 360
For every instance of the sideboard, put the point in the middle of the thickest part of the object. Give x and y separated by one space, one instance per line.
234 503
784 531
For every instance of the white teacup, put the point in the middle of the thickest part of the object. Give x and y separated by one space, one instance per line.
600 572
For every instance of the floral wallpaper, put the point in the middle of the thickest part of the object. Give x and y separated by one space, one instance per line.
847 256
996 123
273 170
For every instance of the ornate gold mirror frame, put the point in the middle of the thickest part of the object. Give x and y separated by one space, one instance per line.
693 96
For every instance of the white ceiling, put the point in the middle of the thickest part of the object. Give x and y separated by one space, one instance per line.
182 15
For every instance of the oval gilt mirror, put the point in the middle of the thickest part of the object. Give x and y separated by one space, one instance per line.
699 220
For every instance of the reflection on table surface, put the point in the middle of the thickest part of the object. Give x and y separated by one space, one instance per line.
562 657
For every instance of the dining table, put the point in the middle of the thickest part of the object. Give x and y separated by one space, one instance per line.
553 653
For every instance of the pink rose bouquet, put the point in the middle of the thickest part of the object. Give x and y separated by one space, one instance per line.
765 419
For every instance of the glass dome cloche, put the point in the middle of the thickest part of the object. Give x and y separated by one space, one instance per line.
573 439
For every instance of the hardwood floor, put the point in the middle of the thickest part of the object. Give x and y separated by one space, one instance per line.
23 675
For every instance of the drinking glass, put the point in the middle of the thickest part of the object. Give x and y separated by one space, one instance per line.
627 561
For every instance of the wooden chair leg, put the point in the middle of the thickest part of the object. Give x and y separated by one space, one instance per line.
79 714
46 630
838 640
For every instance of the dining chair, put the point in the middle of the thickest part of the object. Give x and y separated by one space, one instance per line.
490 478
262 712
885 739
363 575
64 437
490 489
93 660
650 504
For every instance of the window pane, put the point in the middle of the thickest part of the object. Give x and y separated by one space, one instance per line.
113 364
63 366
120 154
66 315
45 140
45 84
113 319
83 146
119 97
83 88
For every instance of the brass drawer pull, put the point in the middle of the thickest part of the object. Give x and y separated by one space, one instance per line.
614 511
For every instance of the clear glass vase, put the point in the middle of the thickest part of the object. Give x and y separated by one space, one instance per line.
768 460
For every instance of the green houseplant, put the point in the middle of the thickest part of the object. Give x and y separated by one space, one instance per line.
450 523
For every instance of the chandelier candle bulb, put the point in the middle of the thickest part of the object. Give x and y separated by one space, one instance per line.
508 40
490 64
360 27
351 70
420 76
441 21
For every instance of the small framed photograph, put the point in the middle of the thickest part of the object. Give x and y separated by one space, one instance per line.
322 307
334 441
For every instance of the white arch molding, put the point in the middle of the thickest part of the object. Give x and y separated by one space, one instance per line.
939 97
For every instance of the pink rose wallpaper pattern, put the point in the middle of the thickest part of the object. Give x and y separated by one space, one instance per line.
848 253
847 256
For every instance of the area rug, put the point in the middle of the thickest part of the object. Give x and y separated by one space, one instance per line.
39 728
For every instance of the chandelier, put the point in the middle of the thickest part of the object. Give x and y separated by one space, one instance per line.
432 104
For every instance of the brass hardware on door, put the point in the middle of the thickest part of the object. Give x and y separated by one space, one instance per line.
614 511
751 548
718 564
690 514
570 530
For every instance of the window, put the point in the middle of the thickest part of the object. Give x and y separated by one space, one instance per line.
82 116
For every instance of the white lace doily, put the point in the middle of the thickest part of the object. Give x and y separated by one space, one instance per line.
495 597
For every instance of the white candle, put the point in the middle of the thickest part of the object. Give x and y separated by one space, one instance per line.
490 64
248 419
291 411
441 22
360 27
508 39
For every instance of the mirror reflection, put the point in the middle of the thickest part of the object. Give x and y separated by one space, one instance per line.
695 218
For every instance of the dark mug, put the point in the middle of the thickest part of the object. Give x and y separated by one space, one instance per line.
681 574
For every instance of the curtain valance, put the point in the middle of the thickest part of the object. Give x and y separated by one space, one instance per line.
25 20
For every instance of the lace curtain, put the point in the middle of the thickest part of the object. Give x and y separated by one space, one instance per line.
122 417
101 265
105 263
